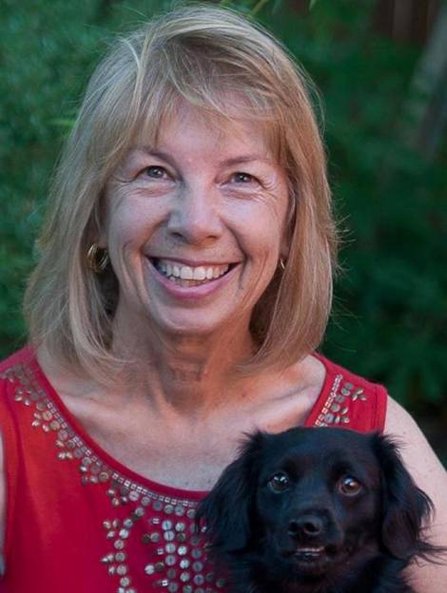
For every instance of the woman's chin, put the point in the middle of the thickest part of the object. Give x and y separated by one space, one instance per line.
197 325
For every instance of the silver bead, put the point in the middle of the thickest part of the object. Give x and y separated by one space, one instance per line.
171 560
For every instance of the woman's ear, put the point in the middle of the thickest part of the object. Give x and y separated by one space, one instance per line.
284 249
98 222
289 226
100 234
228 509
102 241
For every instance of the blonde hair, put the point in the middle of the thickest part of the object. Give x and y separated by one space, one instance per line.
202 54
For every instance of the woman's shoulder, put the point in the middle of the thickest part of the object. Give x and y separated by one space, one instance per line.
22 357
334 368
20 378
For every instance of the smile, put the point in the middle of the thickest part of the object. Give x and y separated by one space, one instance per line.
184 275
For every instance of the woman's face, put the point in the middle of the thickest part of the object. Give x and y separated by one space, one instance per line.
195 226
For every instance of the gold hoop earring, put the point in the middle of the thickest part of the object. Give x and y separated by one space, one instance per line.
97 258
282 264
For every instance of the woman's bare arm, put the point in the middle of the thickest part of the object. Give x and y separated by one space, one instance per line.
430 475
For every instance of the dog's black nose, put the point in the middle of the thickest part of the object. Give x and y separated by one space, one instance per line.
308 525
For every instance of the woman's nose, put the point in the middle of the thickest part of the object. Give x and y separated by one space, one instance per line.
195 217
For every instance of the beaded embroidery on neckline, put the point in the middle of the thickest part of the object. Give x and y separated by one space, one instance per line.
335 410
176 558
48 417
178 563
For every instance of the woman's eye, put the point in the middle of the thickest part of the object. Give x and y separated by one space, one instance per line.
155 172
349 486
241 177
279 482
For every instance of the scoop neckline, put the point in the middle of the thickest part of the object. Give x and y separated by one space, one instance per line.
123 470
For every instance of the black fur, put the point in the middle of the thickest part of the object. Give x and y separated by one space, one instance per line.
316 510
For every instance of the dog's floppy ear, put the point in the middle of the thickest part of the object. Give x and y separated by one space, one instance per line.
405 506
227 509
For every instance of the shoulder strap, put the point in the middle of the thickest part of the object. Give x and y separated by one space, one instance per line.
350 402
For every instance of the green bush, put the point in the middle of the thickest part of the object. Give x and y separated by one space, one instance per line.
390 316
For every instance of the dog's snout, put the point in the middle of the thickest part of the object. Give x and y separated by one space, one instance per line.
308 525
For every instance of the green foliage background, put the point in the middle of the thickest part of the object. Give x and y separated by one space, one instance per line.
390 314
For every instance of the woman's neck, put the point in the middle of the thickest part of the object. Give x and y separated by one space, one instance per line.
184 372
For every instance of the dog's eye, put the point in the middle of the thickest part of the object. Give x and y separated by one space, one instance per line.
349 486
279 482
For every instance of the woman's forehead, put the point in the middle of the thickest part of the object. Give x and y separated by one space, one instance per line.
233 122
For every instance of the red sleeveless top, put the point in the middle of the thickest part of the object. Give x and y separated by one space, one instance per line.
78 521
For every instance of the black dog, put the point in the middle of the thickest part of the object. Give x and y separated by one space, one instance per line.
316 510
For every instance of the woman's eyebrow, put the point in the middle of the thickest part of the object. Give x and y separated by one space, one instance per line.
229 162
243 158
156 152
249 158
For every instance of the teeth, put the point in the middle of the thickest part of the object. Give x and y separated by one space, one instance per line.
186 273
199 274
178 270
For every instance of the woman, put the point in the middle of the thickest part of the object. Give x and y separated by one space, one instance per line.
183 286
